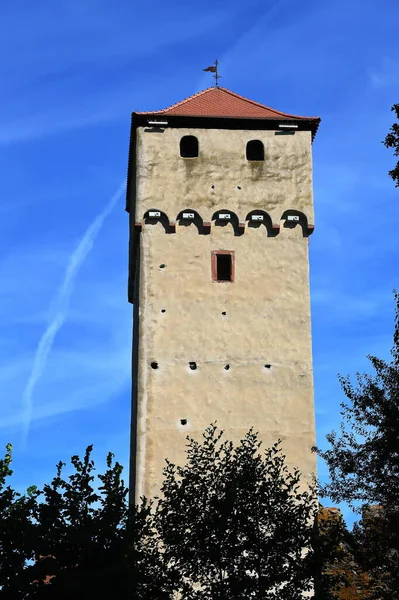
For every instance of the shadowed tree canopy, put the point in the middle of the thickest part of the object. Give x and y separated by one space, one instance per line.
235 523
392 141
79 542
232 524
18 532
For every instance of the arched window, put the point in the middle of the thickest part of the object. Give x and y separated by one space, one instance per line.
189 146
255 150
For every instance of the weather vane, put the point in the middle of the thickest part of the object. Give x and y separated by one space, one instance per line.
214 69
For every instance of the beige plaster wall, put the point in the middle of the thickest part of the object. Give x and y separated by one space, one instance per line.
267 306
170 183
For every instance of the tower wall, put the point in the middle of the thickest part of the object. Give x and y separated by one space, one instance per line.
282 181
267 306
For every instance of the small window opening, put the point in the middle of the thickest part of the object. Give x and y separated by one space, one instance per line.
224 264
183 421
255 150
189 146
193 366
154 365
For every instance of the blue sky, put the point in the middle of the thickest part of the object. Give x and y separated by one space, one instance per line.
72 72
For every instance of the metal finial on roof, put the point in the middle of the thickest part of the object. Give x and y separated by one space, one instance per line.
214 69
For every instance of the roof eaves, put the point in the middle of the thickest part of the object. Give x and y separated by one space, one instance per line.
313 121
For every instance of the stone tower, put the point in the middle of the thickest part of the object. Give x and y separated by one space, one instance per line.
220 205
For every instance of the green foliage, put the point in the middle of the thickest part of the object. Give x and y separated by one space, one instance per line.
392 141
5 462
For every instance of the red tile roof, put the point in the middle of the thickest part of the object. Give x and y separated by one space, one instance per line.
221 102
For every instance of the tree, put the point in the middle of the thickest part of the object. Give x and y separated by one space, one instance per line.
82 542
17 532
392 141
363 466
236 525
231 524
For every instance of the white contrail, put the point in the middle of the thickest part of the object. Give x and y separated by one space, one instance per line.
61 307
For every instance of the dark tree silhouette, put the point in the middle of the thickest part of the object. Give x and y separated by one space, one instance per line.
392 141
232 524
81 542
363 465
17 533
235 524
